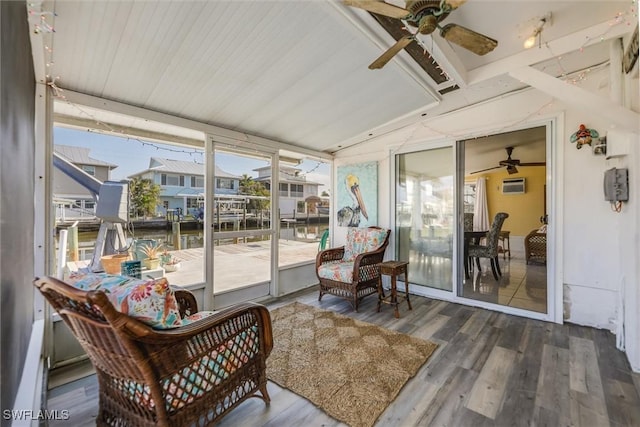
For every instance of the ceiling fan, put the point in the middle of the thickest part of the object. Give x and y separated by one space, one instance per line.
425 15
511 164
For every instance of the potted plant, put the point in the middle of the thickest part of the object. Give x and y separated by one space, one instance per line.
169 262
152 252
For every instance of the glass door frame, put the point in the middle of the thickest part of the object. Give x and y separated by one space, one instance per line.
554 227
260 289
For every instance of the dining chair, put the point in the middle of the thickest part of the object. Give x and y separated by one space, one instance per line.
490 248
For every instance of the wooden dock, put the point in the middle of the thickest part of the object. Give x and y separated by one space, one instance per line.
235 265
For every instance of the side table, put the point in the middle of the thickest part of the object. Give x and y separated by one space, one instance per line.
393 269
505 248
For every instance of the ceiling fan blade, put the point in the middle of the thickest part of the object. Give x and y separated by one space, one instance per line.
390 53
533 164
484 170
509 162
468 39
379 7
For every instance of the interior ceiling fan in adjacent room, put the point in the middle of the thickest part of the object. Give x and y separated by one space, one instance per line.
511 164
425 15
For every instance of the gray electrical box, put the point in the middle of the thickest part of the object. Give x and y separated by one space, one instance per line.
616 185
113 202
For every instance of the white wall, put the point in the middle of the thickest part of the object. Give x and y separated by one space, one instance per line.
597 249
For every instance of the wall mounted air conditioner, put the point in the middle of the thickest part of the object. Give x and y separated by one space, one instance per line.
513 186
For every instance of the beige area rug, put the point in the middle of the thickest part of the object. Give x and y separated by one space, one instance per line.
350 369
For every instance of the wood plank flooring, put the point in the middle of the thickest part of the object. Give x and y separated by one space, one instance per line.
491 369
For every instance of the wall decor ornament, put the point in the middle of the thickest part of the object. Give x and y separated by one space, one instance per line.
357 195
584 136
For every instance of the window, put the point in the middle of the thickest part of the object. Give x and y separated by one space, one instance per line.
197 182
192 202
297 190
267 185
182 180
225 183
284 189
170 180
469 197
301 207
91 170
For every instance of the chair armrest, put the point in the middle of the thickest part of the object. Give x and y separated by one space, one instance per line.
328 255
366 266
172 350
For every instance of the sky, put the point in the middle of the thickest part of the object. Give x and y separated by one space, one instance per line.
133 155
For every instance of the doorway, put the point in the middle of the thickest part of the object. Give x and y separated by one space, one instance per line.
504 173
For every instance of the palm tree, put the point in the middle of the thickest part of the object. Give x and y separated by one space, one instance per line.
145 196
251 187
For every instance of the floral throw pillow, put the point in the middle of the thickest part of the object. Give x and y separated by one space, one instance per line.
149 301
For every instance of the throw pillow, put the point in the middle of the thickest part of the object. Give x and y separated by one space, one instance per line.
150 301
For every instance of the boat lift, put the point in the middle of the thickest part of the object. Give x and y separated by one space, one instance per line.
112 207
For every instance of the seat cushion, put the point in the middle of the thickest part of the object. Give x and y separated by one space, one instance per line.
150 301
361 240
341 271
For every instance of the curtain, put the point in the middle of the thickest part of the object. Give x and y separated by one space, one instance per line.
481 212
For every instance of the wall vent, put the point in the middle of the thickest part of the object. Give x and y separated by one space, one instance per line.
513 186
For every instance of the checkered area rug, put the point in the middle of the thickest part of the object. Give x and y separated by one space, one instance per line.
350 369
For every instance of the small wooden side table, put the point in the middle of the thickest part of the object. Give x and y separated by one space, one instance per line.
503 238
393 269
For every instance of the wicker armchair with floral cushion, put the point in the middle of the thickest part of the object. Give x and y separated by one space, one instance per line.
351 271
159 361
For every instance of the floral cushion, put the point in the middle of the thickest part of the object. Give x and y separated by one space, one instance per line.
361 240
149 301
338 271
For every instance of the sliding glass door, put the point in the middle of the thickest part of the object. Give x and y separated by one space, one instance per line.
505 174
425 217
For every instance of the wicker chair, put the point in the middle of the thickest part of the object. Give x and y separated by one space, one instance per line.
191 375
355 275
490 250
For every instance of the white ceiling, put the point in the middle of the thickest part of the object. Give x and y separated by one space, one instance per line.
296 71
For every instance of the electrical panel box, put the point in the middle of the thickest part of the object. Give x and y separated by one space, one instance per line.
616 185
113 202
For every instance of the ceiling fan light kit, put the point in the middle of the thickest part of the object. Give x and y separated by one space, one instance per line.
537 30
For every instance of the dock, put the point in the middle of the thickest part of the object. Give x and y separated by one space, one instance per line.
255 257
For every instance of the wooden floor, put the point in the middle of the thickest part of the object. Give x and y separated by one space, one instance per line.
491 369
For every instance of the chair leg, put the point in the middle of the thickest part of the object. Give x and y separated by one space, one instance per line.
265 394
493 268
498 266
